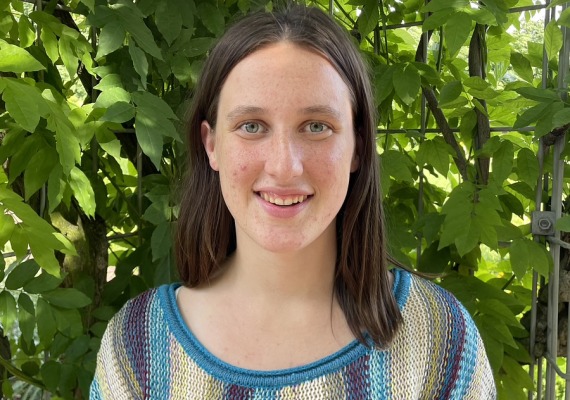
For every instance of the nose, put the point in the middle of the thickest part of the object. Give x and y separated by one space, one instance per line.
284 156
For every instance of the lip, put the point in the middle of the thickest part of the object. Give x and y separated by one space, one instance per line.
279 211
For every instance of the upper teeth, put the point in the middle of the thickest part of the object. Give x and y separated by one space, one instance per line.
283 201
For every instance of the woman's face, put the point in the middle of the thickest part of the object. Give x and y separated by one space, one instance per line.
284 146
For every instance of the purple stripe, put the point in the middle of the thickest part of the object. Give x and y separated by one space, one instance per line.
235 392
357 379
456 344
135 338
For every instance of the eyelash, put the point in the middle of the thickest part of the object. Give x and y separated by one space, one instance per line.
306 127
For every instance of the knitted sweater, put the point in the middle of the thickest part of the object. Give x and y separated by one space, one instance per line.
148 352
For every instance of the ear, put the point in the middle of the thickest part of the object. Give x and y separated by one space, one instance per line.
355 163
209 142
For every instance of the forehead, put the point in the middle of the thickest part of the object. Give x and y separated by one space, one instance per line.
284 70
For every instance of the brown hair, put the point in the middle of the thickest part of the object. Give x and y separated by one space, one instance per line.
206 229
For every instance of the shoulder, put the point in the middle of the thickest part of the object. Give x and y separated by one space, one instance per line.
134 335
420 299
439 337
138 316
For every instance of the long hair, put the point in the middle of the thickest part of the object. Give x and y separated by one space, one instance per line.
206 229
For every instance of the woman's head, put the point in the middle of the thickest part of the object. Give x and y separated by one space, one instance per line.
206 234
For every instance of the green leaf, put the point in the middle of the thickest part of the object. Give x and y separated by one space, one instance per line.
451 91
563 223
502 162
198 46
181 68
66 142
45 321
139 62
38 170
457 31
564 18
108 142
161 240
49 41
397 165
561 118
438 5
89 3
23 103
383 83
119 112
368 18
542 95
26 32
7 226
458 211
42 283
552 40
499 330
499 310
26 319
112 96
544 125
149 136
153 106
22 274
82 190
434 152
135 26
516 371
78 348
17 60
211 17
68 320
526 254
527 167
433 260
56 187
522 66
67 54
168 20
111 38
43 253
51 373
437 19
8 310
530 116
407 83
66 298
109 82
468 239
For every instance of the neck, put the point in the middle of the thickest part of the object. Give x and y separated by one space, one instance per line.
267 277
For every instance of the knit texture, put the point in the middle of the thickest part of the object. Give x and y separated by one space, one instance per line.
148 352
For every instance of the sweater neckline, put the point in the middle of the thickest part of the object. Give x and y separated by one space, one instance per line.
231 374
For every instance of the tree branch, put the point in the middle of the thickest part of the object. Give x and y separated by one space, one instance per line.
440 119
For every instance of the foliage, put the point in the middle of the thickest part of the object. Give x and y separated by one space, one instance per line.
93 98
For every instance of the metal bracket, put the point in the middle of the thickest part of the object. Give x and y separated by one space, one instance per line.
543 223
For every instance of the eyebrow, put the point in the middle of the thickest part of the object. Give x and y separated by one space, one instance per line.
318 109
326 110
244 110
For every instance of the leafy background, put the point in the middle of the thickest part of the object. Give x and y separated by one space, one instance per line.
93 97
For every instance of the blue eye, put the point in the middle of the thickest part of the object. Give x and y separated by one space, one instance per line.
317 127
251 127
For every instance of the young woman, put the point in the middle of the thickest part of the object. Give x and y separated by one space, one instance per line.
285 289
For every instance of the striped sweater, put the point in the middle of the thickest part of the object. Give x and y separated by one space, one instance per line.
148 352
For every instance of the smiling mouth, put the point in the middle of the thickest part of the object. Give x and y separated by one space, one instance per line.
283 201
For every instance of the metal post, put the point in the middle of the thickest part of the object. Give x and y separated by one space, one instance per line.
563 63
